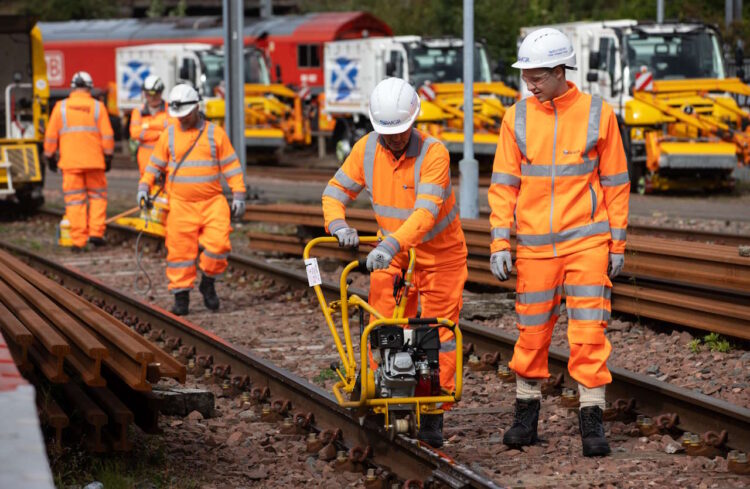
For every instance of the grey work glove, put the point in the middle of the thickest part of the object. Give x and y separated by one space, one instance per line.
348 237
500 261
238 207
616 262
379 258
143 200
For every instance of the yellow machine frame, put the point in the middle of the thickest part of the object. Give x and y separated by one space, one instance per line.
348 378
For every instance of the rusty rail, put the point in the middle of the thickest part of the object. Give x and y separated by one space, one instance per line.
674 306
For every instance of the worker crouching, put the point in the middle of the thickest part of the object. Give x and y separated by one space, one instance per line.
193 154
407 177
80 130
560 170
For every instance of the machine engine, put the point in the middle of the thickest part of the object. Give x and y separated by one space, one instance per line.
407 361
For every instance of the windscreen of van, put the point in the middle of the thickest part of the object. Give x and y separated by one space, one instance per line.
675 56
444 64
256 70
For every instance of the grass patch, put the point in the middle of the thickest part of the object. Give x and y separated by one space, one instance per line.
324 375
714 341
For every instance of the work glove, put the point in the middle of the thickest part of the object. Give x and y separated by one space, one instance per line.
501 265
107 163
51 163
616 262
348 237
379 258
238 207
143 198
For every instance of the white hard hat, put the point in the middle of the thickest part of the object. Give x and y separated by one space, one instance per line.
182 100
81 79
153 83
545 48
394 105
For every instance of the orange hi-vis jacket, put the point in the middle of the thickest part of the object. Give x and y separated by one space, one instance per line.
560 168
412 198
80 125
198 177
146 127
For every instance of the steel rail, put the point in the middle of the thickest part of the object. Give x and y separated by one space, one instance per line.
714 310
406 458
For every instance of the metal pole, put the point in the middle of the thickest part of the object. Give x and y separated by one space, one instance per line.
728 12
234 67
266 10
659 11
468 166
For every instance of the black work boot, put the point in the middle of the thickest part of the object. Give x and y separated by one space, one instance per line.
210 299
431 429
592 432
525 420
181 303
97 241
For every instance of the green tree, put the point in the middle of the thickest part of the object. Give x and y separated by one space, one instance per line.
69 9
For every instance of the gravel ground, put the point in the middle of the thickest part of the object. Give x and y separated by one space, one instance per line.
259 314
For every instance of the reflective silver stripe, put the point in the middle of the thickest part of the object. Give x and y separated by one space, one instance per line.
538 319
96 111
448 346
520 127
64 113
97 197
426 144
432 189
442 224
193 164
619 234
337 224
570 170
239 196
176 291
194 178
595 115
429 205
588 291
76 202
146 146
50 140
228 159
181 264
538 297
156 161
500 233
391 243
588 314
216 256
143 133
70 129
233 172
574 233
73 192
143 186
614 180
153 170
170 132
211 141
395 212
500 178
337 194
347 182
369 160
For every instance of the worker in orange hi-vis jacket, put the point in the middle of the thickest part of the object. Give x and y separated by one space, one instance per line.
193 154
79 129
148 122
407 176
560 169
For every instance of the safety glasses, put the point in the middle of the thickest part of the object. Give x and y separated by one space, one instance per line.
177 104
152 92
536 80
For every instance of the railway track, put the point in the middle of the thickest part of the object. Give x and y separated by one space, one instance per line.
697 413
700 285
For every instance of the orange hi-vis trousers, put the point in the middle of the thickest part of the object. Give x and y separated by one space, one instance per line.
85 193
440 293
583 277
188 223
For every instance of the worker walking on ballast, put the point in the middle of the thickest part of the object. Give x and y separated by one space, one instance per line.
407 177
560 169
149 121
192 154
80 130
